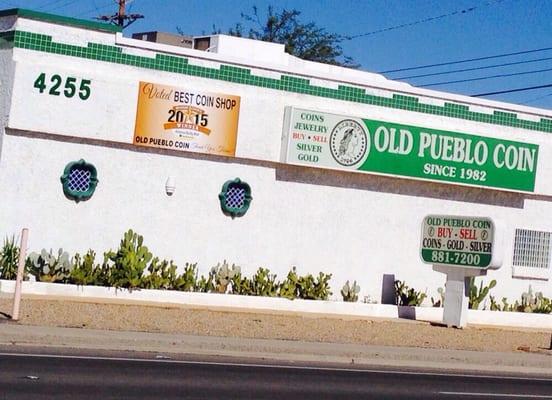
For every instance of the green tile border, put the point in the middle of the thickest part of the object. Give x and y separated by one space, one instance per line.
288 83
58 19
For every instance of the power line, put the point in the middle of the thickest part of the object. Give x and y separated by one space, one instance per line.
512 90
474 69
466 60
421 21
486 77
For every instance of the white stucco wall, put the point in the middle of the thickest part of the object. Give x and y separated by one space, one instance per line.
356 226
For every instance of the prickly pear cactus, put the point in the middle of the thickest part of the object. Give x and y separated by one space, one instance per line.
223 275
47 267
129 262
350 292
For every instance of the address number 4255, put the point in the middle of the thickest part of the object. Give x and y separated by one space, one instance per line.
55 85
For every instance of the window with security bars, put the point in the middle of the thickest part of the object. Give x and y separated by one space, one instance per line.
79 180
531 256
235 198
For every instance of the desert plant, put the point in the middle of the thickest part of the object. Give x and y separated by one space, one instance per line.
85 271
441 300
477 296
406 296
288 288
241 285
46 267
206 284
264 283
314 289
187 280
161 274
9 258
223 275
128 263
536 303
350 292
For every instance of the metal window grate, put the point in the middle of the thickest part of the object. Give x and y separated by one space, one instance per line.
79 180
531 249
235 197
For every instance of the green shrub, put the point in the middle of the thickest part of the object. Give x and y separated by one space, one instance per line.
162 275
128 263
350 292
264 283
206 284
314 289
406 296
46 267
241 285
187 281
85 271
289 287
9 258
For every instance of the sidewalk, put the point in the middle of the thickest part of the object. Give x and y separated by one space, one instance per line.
286 337
162 344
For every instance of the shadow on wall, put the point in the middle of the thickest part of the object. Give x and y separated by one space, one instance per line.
325 177
401 186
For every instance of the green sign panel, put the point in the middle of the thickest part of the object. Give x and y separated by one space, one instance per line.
363 145
457 241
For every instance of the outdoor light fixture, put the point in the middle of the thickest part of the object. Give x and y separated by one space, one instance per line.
170 186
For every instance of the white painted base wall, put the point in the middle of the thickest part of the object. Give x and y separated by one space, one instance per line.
276 304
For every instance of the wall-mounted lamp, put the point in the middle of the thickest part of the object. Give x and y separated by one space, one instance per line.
170 186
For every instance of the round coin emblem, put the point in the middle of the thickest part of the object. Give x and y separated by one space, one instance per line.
349 142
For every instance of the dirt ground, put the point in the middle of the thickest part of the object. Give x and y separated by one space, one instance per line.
232 323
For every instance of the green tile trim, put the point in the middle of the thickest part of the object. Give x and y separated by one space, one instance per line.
58 19
288 83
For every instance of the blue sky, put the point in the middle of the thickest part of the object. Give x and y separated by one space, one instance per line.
464 29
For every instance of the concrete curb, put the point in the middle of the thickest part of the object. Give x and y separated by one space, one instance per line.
14 336
275 304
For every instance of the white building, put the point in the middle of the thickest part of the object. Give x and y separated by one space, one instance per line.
342 164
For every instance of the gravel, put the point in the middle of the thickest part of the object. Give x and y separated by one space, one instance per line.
241 323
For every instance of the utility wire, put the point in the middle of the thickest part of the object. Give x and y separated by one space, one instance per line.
421 21
474 68
486 77
512 90
466 60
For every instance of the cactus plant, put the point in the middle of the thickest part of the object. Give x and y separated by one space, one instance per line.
441 300
264 283
187 281
288 287
241 285
85 271
477 296
350 292
405 296
129 261
223 275
46 267
9 257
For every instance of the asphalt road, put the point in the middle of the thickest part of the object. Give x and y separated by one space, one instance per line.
51 376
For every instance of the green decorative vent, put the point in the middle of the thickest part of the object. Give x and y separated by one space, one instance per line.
235 198
79 180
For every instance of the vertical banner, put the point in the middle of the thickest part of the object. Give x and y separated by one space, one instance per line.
186 120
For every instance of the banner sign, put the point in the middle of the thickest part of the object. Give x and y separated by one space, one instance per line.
187 120
457 241
327 140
